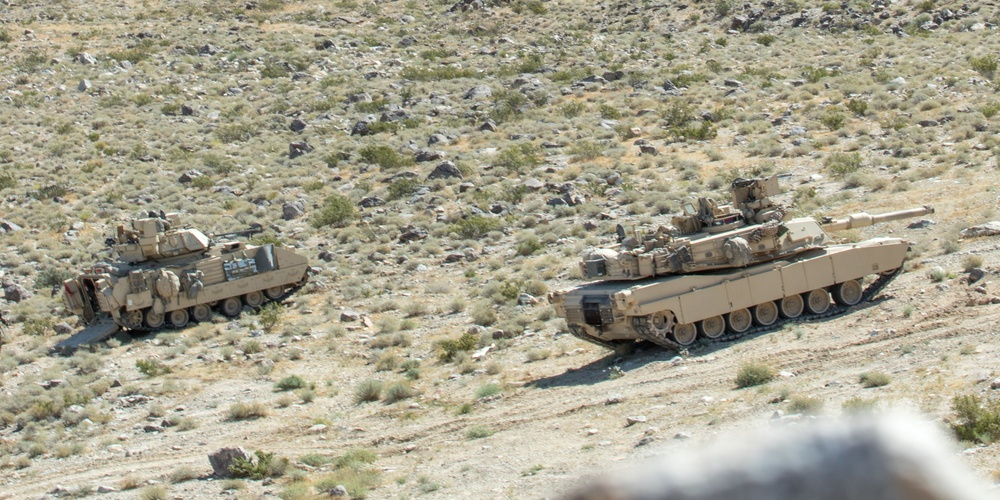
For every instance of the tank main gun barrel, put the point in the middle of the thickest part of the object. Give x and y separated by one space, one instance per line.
254 229
863 219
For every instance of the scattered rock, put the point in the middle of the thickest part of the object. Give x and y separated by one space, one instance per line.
86 58
425 155
995 384
976 274
13 292
526 300
614 399
412 233
222 459
445 170
638 419
189 176
84 85
293 210
371 201
988 229
644 441
152 428
318 428
920 224
106 489
338 491
681 436
489 126
479 92
8 227
361 128
297 125
297 149
350 316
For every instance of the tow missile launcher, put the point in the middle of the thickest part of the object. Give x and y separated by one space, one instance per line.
721 269
168 275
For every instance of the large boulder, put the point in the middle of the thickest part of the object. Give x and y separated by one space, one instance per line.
224 458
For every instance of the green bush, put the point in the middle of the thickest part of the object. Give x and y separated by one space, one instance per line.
806 404
766 39
436 74
337 211
488 390
529 245
290 383
202 182
401 188
971 262
858 405
986 65
978 419
51 277
384 156
989 111
753 374
832 119
843 163
367 391
151 367
519 157
451 347
478 432
874 379
270 315
7 181
399 391
858 107
264 466
476 226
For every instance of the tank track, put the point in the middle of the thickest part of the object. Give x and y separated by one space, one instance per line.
642 328
610 344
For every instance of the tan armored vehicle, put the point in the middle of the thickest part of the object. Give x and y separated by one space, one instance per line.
721 272
167 275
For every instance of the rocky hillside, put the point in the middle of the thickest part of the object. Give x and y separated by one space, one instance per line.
443 165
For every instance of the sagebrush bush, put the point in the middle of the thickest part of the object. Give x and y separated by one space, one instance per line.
451 347
978 418
337 211
247 411
399 391
874 379
290 383
753 374
367 391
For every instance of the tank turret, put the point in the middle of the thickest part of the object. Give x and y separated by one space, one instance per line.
168 275
708 236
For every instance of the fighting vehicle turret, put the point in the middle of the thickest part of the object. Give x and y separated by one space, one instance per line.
168 275
751 230
726 268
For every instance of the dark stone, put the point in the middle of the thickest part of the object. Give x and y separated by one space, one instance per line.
361 128
445 170
297 125
412 233
297 149
223 459
371 201
425 155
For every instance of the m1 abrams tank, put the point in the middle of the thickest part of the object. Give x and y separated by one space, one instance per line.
167 275
721 272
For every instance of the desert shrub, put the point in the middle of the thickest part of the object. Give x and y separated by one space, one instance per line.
937 274
476 226
519 157
874 379
7 181
978 418
857 106
609 112
971 262
572 109
766 39
806 404
151 367
529 245
399 391
989 111
237 132
843 163
484 314
264 466
155 492
858 405
753 374
411 369
247 411
451 347
985 65
251 347
813 75
337 211
202 182
384 156
52 277
832 119
507 104
478 432
182 474
387 361
270 315
538 355
367 391
401 188
488 390
290 383
354 471
436 74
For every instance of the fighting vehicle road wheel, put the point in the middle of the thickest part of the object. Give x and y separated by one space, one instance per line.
848 293
765 314
132 319
153 320
178 318
791 306
231 307
201 313
275 292
254 299
713 327
739 321
817 301
685 334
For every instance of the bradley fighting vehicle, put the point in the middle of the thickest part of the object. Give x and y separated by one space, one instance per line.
169 275
721 272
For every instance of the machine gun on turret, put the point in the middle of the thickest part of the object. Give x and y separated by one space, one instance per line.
254 228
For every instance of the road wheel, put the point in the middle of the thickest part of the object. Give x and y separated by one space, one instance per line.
765 314
713 327
661 323
178 318
132 319
253 299
201 313
792 306
275 292
231 307
817 301
739 321
848 293
685 334
153 320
